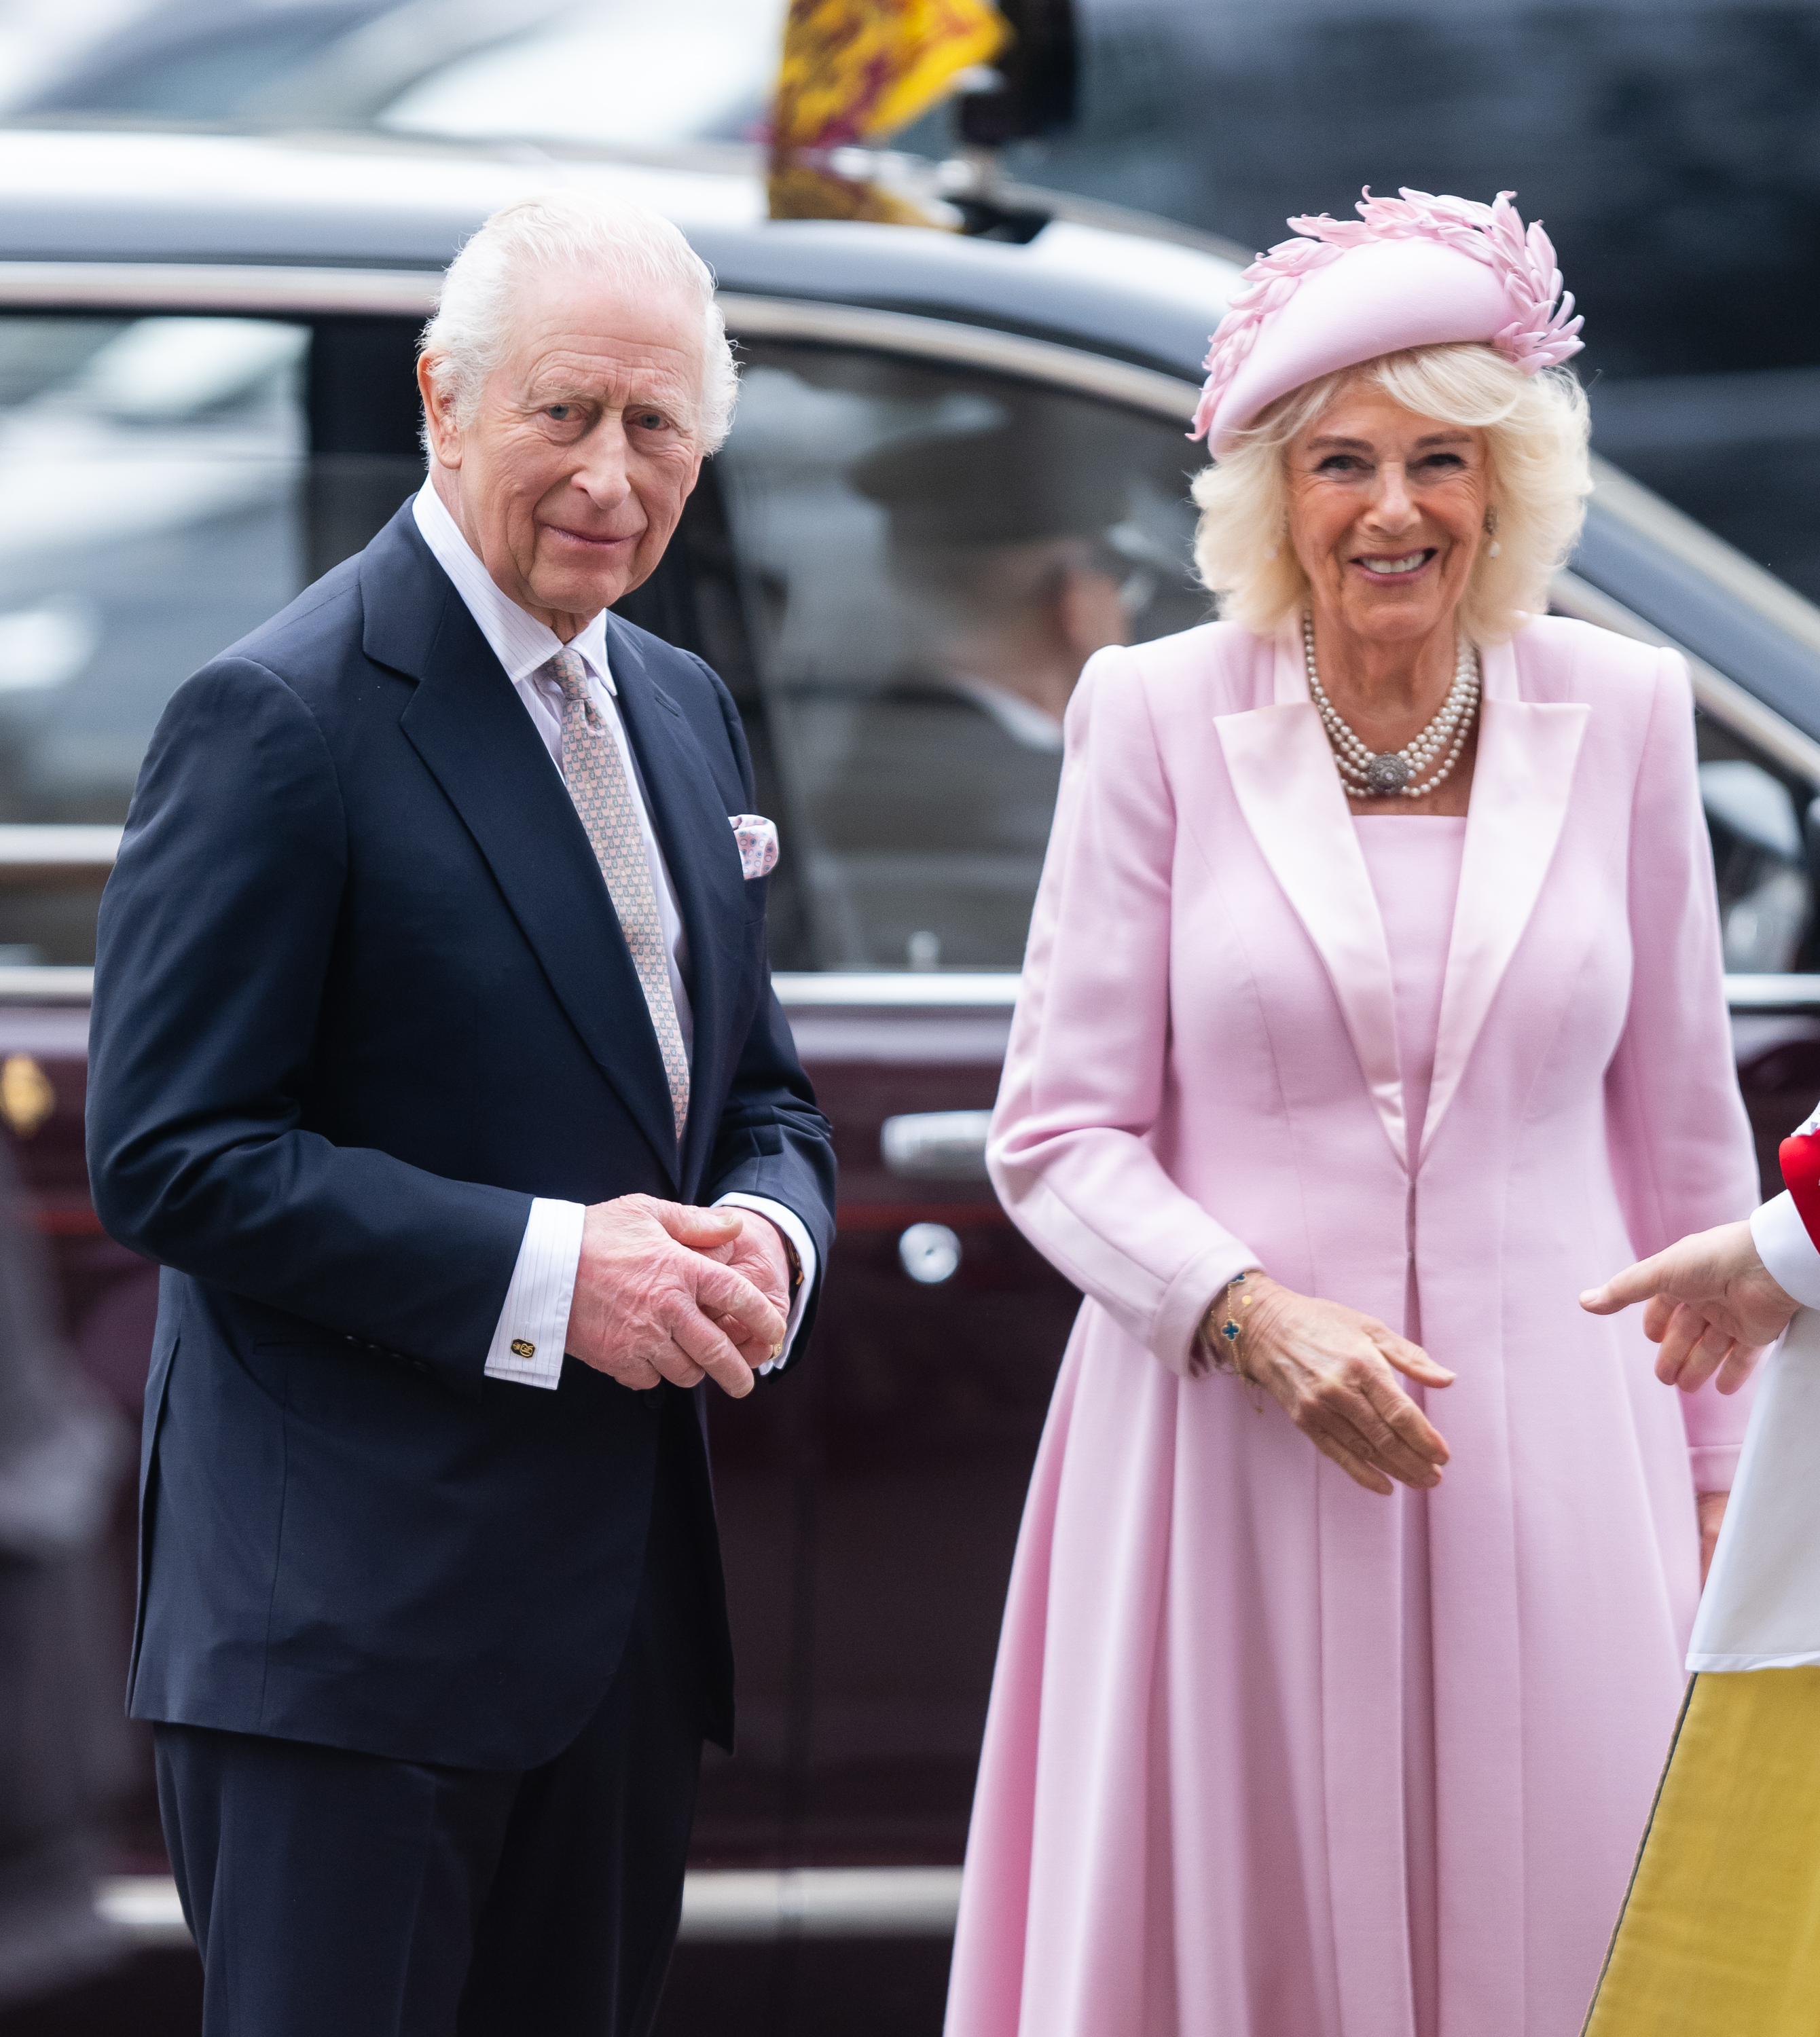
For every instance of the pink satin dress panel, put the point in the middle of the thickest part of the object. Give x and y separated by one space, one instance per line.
1414 861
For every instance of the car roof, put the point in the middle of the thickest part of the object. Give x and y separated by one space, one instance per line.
1136 288
1096 279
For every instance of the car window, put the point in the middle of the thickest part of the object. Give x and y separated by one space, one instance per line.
1765 836
928 556
159 498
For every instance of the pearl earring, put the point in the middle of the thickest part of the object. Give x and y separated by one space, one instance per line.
1493 549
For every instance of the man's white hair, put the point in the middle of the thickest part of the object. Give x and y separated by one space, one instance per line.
596 235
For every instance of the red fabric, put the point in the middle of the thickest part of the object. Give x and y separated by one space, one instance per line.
1800 1157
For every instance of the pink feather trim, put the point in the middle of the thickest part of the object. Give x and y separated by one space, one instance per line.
1541 335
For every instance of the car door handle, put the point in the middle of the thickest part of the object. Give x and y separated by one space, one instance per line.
936 1145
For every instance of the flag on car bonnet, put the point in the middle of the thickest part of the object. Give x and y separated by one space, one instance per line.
854 72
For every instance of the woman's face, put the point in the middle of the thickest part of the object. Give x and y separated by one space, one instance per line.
1386 514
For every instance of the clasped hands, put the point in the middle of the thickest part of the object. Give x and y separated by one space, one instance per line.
664 1291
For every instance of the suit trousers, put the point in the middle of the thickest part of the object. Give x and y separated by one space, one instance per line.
334 1891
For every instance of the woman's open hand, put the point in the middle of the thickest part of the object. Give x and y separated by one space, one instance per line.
1333 1372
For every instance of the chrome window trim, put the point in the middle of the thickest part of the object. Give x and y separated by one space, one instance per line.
45 983
1728 702
58 983
752 1904
70 852
267 289
1695 545
932 990
1772 993
216 286
950 341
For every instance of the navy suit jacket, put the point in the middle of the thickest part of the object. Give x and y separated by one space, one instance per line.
360 995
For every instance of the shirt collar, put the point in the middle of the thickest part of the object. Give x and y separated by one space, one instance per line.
1023 720
517 639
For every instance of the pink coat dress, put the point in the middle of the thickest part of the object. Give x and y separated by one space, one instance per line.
1268 1755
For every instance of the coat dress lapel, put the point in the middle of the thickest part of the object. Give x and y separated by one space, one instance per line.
1284 779
470 729
1521 783
1287 788
690 823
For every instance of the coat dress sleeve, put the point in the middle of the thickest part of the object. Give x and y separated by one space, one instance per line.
1069 1151
1681 1144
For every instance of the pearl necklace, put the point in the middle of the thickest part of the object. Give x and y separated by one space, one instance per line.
1381 774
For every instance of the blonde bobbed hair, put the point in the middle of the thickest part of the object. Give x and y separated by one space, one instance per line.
1535 428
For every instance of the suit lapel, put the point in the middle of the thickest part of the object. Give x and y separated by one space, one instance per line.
690 823
1522 783
470 729
1283 775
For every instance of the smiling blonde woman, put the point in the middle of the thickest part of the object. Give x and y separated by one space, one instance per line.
1373 1008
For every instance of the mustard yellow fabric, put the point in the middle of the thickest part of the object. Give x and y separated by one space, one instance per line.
1720 1933
856 70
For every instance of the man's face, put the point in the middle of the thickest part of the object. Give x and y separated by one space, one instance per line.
569 478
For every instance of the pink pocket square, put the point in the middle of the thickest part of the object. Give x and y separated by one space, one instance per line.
758 840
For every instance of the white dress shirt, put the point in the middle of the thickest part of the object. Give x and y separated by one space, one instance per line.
1789 1255
542 1286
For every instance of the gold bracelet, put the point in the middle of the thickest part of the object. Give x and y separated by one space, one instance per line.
1227 1359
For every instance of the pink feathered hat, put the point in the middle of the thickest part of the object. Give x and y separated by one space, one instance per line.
1412 271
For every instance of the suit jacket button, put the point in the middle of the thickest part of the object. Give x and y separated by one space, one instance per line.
522 1348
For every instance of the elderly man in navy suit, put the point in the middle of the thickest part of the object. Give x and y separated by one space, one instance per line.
435 1058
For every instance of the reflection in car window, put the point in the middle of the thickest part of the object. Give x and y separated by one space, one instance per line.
1762 846
156 501
930 557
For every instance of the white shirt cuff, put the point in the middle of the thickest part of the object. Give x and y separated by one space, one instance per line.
527 1344
1789 1255
792 1226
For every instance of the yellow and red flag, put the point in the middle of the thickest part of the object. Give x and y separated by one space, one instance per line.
856 71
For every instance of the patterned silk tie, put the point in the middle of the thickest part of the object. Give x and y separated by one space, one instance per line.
595 771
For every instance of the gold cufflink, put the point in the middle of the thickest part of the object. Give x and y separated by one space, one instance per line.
521 1349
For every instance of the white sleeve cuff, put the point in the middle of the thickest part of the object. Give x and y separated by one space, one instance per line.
1789 1255
527 1342
793 1227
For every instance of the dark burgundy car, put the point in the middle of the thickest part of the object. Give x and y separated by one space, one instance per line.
206 400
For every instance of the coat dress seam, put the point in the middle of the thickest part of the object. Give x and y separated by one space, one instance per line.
1169 1304
1626 1044
1255 995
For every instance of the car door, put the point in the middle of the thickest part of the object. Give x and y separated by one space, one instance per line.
925 530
